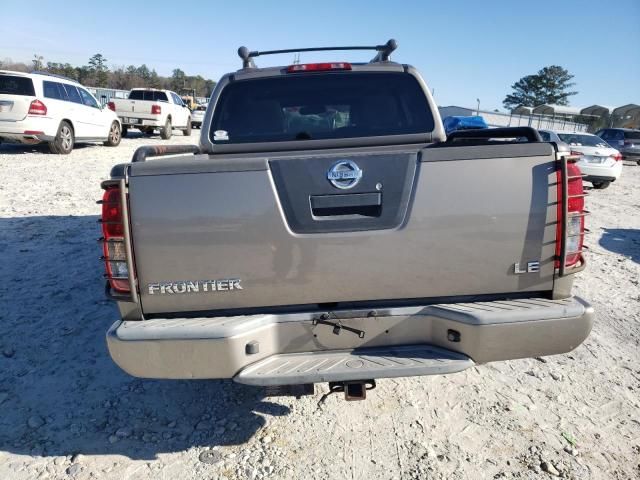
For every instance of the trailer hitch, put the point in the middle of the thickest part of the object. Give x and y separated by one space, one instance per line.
356 390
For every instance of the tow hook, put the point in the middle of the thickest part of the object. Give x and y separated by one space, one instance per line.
352 390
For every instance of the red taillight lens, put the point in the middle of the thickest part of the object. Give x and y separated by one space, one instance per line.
616 156
37 108
156 110
318 67
575 215
112 213
113 236
111 106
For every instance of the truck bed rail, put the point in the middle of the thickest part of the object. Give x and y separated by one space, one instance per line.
142 153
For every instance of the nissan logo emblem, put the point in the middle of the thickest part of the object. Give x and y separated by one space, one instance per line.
344 174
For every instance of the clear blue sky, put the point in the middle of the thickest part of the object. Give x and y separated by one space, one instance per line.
464 49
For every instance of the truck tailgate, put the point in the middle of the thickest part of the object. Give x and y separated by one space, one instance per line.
235 233
141 108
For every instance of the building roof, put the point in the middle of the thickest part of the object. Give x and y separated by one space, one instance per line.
522 110
556 110
597 110
629 109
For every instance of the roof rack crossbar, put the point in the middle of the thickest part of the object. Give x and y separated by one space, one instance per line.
383 55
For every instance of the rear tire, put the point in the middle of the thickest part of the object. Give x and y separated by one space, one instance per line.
601 185
64 141
187 131
115 135
165 133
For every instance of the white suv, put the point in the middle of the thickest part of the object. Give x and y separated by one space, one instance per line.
40 107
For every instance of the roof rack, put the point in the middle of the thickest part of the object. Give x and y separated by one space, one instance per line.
49 74
383 55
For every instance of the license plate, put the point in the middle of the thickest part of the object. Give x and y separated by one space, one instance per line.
134 120
594 159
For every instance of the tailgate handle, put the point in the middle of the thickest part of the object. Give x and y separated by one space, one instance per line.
359 204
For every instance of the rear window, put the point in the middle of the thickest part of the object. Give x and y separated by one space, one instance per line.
632 135
12 85
149 95
326 106
577 139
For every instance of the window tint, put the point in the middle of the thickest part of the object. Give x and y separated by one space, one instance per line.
321 106
150 95
604 134
54 90
616 135
632 135
545 136
12 85
176 99
50 90
72 93
88 99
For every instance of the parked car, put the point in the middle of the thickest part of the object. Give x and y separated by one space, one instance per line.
197 115
626 140
41 107
598 160
149 109
300 252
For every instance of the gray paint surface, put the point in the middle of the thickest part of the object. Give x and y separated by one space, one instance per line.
467 223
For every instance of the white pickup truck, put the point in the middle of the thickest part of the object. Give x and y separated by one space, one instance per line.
148 109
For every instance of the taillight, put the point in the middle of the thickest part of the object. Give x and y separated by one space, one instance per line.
37 108
318 67
574 234
111 106
616 156
114 253
156 110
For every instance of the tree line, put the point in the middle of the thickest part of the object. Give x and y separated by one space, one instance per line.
96 73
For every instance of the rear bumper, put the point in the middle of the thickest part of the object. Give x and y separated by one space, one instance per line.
222 347
610 172
41 129
141 122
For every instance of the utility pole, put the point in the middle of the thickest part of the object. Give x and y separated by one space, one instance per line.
478 110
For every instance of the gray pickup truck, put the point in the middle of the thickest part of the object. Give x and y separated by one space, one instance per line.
326 230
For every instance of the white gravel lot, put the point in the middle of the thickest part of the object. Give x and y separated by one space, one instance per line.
66 411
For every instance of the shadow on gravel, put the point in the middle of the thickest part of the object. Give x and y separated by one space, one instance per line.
60 393
624 241
21 149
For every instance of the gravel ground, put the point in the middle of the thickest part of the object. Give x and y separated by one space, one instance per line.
66 411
